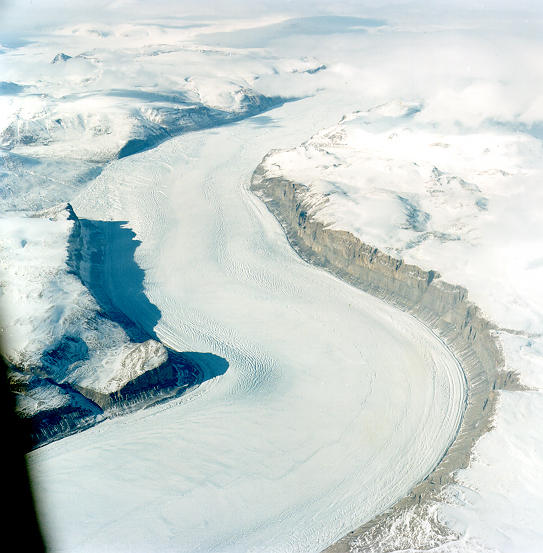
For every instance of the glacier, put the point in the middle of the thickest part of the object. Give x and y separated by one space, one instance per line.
286 386
330 212
197 385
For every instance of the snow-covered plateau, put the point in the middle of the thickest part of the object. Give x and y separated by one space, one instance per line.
271 280
424 201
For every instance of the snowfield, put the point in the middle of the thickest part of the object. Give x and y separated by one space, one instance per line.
311 362
416 128
448 202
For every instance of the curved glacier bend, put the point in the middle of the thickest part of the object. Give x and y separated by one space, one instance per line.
443 307
273 455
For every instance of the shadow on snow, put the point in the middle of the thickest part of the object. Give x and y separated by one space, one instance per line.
99 250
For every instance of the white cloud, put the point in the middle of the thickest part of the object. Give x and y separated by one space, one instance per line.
467 62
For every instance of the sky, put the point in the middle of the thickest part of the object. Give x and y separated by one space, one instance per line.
18 15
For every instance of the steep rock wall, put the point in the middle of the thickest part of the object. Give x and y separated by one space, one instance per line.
443 307
162 379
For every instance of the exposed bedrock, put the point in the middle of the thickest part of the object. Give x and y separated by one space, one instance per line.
50 410
146 371
443 307
94 362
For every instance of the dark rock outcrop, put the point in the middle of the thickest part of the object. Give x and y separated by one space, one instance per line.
61 57
52 411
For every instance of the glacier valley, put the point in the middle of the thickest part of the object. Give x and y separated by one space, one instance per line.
263 289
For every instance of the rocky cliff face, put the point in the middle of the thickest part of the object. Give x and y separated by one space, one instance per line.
144 370
443 307
78 359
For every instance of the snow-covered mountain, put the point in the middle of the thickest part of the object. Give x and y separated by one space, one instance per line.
445 201
71 357
96 125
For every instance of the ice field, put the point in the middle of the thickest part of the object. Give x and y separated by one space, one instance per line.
417 127
333 404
